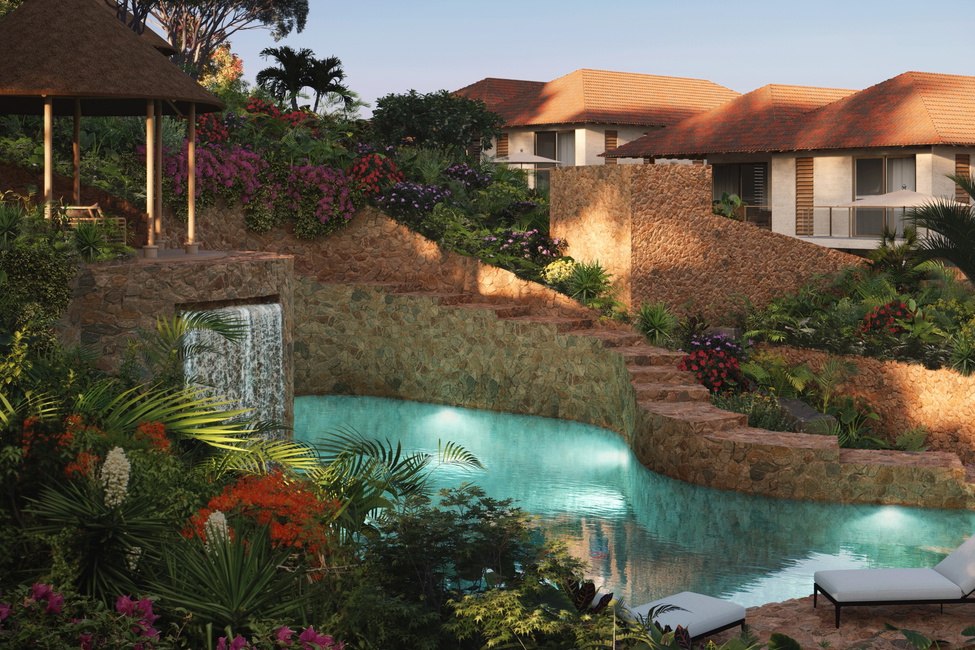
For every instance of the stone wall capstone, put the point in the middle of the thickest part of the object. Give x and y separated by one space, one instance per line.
668 246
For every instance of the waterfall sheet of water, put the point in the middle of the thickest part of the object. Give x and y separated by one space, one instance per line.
251 370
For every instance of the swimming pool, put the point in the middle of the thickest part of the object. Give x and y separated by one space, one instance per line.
644 535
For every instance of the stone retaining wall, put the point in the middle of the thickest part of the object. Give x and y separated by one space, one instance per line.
374 248
908 396
361 340
112 300
651 226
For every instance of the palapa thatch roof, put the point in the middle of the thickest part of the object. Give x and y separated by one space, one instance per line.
70 49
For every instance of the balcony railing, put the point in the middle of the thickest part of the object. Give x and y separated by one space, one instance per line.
830 221
760 215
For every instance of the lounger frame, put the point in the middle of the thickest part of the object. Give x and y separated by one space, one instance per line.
860 603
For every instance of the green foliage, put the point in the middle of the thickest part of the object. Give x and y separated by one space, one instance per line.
235 582
771 373
440 120
900 259
656 322
763 411
918 640
951 228
962 350
104 542
912 439
589 282
727 206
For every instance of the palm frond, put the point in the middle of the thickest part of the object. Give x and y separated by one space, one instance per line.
187 412
951 230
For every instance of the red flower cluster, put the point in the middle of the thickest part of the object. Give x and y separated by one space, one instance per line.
291 118
292 510
83 465
884 319
372 173
154 433
717 370
211 128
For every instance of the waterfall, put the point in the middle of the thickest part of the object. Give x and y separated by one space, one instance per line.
251 370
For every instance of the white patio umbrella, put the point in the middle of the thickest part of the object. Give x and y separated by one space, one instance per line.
522 158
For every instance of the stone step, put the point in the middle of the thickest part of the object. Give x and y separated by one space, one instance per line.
670 392
443 298
562 325
660 374
646 355
611 338
501 310
700 417
751 435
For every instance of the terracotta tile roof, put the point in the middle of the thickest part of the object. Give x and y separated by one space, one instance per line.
603 97
912 109
495 92
753 122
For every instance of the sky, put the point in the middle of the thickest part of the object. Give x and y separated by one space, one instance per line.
389 46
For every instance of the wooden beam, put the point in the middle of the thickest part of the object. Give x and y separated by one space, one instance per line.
48 155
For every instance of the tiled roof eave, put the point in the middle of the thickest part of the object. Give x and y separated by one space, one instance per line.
656 124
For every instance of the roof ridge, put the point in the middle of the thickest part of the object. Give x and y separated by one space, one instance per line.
925 100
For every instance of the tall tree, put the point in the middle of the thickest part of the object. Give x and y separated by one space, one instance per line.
133 12
291 74
197 27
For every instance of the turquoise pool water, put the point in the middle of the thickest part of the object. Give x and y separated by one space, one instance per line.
644 535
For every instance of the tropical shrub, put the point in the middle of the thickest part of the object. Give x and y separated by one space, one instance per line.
410 202
763 411
715 361
655 322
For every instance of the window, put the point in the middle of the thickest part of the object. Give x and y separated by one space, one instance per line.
502 151
963 168
558 145
876 176
610 142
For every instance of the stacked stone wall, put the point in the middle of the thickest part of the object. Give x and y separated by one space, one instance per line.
908 396
361 340
374 248
679 252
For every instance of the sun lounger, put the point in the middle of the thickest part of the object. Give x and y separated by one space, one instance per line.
951 581
698 614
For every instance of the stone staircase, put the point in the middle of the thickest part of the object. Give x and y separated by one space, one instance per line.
660 388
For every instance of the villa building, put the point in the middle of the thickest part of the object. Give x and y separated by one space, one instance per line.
578 116
799 156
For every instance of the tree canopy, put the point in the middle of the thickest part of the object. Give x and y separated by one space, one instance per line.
440 120
196 28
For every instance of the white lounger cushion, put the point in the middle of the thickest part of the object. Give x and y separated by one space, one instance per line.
959 567
699 614
853 585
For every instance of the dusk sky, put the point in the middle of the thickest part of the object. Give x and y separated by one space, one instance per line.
427 45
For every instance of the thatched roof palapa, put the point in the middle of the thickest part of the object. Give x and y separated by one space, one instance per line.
75 49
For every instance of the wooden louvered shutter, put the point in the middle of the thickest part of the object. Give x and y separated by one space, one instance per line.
804 197
502 145
963 167
610 142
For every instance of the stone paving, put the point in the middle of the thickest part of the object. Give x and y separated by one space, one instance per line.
860 627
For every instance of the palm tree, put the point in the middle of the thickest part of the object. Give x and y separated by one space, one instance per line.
325 78
292 73
951 229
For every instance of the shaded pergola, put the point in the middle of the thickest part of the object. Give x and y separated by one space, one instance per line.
74 58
